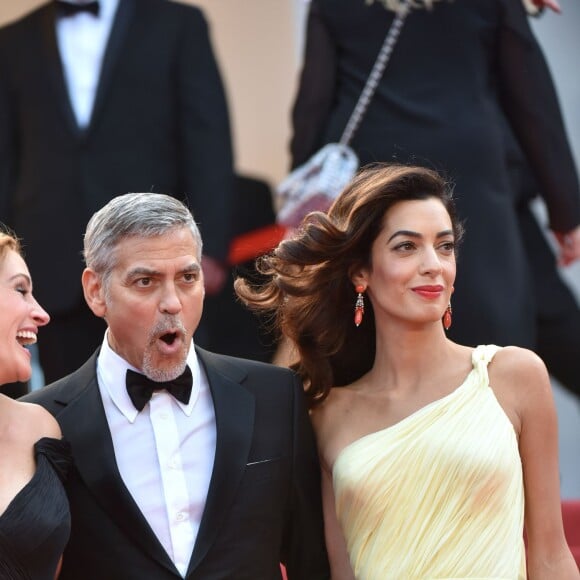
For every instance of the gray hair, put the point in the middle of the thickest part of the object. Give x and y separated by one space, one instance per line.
144 215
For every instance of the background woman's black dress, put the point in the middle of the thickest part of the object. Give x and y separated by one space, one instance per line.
461 76
35 526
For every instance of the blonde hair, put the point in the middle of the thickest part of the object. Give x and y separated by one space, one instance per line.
8 241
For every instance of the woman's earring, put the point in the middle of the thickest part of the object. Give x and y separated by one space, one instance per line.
447 319
359 306
447 316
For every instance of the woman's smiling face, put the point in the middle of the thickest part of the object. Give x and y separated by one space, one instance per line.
20 318
412 264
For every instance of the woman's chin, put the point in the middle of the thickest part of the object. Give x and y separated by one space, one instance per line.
23 375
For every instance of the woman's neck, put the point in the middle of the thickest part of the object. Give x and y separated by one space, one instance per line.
405 358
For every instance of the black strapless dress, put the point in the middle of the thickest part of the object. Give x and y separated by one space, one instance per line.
35 526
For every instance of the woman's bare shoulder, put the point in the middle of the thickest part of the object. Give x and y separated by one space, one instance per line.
521 383
36 420
337 403
333 422
517 367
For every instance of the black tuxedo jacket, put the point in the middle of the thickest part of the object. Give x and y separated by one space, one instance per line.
263 505
159 123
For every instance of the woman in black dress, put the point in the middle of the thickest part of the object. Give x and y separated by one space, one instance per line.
462 74
34 514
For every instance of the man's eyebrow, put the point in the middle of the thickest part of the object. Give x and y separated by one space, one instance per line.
412 234
193 267
142 271
145 271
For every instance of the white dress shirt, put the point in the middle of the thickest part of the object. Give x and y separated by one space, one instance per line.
165 453
82 40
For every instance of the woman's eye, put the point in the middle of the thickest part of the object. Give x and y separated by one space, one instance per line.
405 246
448 246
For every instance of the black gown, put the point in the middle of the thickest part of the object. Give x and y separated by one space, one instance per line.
35 526
459 75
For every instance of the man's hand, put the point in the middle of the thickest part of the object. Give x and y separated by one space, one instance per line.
569 244
214 275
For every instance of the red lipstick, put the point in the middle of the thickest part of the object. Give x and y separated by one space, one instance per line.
429 291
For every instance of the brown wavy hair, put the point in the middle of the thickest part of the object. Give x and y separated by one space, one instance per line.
308 290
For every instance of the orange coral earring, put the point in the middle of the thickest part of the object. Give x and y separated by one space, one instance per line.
359 306
447 316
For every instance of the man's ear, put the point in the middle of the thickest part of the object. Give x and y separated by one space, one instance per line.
94 292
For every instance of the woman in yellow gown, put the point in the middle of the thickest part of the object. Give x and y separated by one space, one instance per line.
433 454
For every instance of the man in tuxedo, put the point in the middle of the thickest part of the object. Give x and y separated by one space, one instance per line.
98 98
186 463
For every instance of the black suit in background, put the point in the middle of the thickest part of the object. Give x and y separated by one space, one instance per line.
244 333
457 73
159 123
557 311
263 504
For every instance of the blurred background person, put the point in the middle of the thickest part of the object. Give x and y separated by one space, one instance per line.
446 101
556 307
34 512
99 98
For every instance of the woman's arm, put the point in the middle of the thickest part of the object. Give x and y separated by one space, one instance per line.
531 105
340 568
316 89
326 426
548 554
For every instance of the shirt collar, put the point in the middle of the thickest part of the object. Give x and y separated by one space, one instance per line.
111 371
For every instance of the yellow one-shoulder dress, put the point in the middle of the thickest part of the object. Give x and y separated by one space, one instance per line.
439 494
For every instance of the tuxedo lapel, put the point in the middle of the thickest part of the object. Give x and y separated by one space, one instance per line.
54 68
84 424
234 412
113 51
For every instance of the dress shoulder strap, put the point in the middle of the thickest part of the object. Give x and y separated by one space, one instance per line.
481 357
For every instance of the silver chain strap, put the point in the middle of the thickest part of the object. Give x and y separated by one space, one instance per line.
376 73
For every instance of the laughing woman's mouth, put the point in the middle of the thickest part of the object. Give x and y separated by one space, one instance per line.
25 337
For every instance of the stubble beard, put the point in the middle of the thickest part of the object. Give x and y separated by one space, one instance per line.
171 369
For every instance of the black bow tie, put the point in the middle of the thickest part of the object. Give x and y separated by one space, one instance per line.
72 8
140 388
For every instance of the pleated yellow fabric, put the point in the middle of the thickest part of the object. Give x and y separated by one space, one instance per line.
439 494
